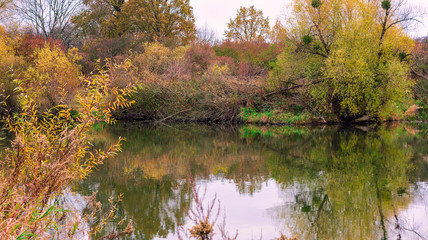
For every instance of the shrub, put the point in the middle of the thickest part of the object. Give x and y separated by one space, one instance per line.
177 70
179 53
230 62
198 57
8 63
156 58
102 49
48 153
31 42
246 69
253 58
53 77
217 71
160 62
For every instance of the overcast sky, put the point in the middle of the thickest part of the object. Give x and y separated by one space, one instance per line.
216 13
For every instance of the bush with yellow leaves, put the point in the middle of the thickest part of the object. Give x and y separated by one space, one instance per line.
53 77
50 151
8 62
155 58
217 71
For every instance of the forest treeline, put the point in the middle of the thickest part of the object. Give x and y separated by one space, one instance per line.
325 61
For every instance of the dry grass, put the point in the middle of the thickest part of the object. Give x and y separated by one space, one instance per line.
204 219
284 237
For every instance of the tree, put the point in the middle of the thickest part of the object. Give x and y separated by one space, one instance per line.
360 43
4 5
278 33
49 18
102 18
167 21
249 25
419 68
206 35
420 55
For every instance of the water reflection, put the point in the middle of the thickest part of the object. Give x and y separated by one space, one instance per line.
321 183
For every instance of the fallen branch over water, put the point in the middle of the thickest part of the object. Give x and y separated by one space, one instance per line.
283 90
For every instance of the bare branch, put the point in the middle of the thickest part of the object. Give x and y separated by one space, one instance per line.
50 18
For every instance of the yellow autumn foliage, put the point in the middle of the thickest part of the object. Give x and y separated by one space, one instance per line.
217 71
54 76
7 53
155 58
364 70
8 64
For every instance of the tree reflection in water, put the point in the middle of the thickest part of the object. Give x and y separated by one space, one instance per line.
334 183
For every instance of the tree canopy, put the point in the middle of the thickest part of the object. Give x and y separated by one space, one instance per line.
248 25
161 20
100 18
361 44
3 8
167 21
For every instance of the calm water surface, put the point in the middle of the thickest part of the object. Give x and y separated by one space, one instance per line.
319 183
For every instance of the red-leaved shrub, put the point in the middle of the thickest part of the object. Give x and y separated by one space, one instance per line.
31 42
198 57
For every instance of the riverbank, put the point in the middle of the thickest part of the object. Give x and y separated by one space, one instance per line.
251 116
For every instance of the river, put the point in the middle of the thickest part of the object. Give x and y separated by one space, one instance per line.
336 182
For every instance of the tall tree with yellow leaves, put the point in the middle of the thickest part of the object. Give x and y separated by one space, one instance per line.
101 18
248 25
167 21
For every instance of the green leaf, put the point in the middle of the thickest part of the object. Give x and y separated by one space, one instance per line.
25 235
74 228
49 211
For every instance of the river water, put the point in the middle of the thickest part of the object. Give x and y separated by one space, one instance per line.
315 182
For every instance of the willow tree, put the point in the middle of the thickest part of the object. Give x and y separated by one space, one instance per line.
363 47
248 25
